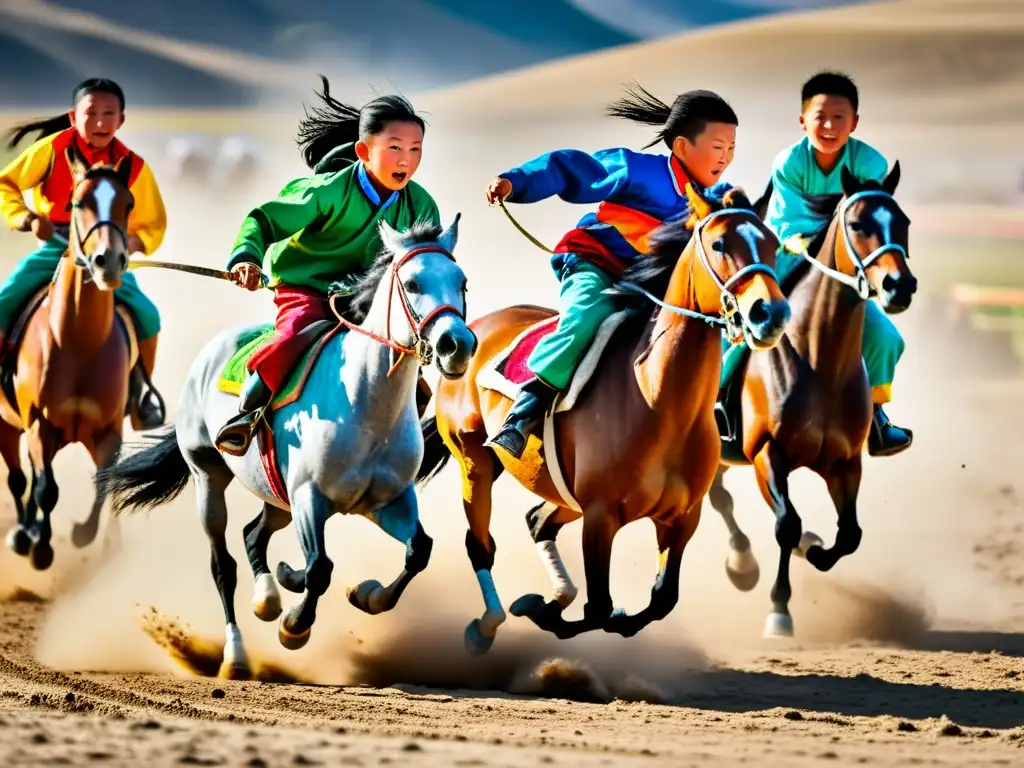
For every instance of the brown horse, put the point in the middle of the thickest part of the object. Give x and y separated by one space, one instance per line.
807 402
70 378
641 440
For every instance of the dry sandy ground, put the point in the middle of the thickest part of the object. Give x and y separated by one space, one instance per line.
908 652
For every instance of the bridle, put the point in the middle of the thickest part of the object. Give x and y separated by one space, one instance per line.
729 315
77 243
859 281
421 349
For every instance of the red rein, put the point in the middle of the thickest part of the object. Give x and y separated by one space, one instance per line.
417 325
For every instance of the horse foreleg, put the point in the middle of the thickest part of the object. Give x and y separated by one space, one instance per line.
401 521
545 521
213 512
104 456
44 442
266 599
18 539
672 540
773 478
478 474
310 511
843 484
599 529
740 566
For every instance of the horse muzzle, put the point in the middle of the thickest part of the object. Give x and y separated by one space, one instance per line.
107 268
896 293
454 345
764 323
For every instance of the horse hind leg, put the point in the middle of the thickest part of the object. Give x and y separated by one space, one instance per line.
545 521
740 565
18 539
213 513
104 455
266 601
400 520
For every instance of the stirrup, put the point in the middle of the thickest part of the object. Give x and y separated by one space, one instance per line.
235 437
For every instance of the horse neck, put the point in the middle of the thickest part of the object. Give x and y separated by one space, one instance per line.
369 367
81 315
830 324
681 370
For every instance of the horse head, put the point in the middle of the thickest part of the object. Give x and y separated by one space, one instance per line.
733 267
100 206
874 246
420 295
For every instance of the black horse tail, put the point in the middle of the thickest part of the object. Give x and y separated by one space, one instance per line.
435 452
147 478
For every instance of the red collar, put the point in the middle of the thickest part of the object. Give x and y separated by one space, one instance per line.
679 175
109 155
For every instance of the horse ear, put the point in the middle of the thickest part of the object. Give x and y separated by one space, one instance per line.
391 238
849 181
699 205
79 167
889 182
123 170
450 236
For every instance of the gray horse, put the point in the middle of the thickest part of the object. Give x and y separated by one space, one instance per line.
350 444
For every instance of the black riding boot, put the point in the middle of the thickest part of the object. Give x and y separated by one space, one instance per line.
145 404
885 438
236 435
527 414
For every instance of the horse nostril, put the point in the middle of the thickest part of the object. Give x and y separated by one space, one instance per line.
446 345
124 261
476 345
100 260
758 312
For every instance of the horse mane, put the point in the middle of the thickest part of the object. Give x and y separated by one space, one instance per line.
667 242
102 172
364 286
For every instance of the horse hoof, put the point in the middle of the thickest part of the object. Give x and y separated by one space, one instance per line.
742 569
266 602
42 556
19 542
290 641
369 597
83 535
778 625
477 643
807 540
291 579
527 605
235 671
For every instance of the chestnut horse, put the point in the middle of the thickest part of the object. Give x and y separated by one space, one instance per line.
70 377
807 403
641 442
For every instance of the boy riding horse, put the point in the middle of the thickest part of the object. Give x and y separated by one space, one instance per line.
96 115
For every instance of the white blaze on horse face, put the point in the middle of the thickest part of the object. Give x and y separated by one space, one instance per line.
752 234
104 194
883 218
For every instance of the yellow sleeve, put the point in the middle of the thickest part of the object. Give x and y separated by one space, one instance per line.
148 219
24 173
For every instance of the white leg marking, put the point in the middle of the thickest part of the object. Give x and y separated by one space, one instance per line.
741 562
234 651
266 600
494 614
564 590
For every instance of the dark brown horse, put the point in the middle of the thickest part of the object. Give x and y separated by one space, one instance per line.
807 402
641 441
71 374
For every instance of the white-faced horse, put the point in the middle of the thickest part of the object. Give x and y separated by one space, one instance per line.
350 444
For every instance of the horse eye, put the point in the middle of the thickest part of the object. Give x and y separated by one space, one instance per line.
719 245
465 286
412 286
856 226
